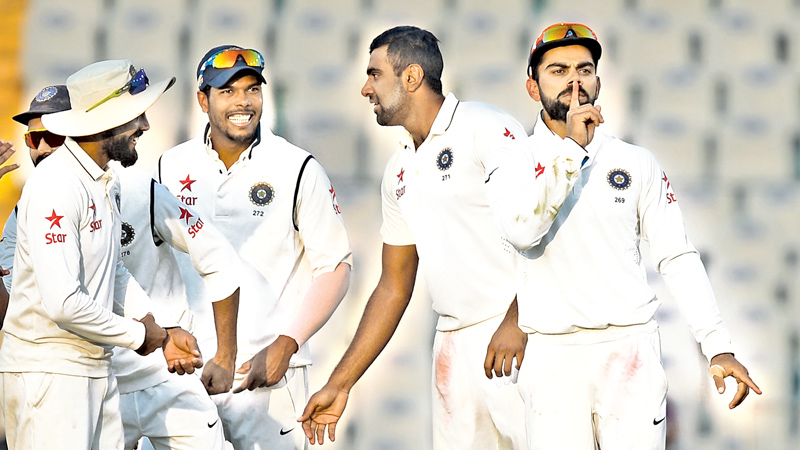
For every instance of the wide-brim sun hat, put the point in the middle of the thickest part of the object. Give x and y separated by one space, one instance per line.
105 95
562 35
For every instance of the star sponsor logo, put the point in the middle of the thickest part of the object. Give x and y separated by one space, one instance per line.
670 194
193 228
185 215
54 238
55 220
333 199
539 170
508 134
187 183
399 192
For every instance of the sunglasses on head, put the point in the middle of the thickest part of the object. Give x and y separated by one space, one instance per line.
34 137
137 84
564 30
225 59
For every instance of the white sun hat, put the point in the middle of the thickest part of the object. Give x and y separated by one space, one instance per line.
105 95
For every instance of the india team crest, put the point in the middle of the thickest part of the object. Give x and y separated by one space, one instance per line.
445 159
128 234
262 194
619 179
46 94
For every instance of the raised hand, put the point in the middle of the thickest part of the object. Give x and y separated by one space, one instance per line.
582 119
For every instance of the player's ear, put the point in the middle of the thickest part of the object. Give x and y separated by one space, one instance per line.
597 92
533 89
202 99
412 77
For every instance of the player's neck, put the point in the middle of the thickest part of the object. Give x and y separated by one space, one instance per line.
420 122
229 151
558 127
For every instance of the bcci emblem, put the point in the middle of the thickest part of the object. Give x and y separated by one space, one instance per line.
46 94
127 234
262 194
445 159
619 179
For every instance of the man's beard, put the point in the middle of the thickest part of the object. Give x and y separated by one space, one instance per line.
389 113
558 110
40 158
118 148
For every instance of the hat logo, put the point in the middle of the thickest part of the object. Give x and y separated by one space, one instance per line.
46 94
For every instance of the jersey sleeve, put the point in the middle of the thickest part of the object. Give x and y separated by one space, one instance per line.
57 271
394 229
527 183
7 248
319 221
677 260
213 257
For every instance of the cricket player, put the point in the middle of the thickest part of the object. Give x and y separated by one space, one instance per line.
276 206
60 328
149 393
592 376
436 217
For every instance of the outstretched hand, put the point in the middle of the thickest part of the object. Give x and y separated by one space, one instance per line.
725 365
324 408
181 352
582 119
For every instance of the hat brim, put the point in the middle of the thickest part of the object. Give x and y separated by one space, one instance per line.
111 114
224 76
591 44
26 117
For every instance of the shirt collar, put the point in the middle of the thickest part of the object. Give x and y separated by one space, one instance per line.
441 123
85 161
248 153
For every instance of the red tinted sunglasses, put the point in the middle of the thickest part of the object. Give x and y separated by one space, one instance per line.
34 137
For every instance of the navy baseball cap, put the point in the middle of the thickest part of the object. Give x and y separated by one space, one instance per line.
562 35
51 99
222 63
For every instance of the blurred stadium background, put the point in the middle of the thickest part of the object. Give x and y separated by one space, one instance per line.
712 87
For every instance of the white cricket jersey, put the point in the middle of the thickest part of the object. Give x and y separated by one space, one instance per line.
7 244
587 272
67 278
434 197
278 209
153 223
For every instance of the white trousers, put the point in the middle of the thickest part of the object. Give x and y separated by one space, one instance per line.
594 389
471 411
48 410
175 415
266 418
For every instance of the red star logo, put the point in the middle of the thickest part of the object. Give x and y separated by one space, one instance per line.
92 207
400 175
665 179
185 214
187 183
508 134
55 220
335 204
539 169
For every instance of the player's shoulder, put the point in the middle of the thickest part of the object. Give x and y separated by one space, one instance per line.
272 145
612 143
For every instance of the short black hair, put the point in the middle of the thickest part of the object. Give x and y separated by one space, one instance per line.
411 45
